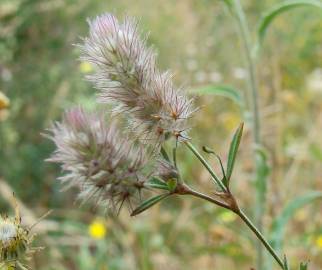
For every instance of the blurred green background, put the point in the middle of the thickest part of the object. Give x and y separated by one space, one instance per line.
197 39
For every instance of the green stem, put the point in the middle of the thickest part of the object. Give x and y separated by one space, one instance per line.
246 39
207 166
261 238
174 155
189 191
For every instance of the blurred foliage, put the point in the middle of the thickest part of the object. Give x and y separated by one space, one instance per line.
197 39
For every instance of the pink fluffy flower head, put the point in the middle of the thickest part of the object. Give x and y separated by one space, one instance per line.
105 168
127 76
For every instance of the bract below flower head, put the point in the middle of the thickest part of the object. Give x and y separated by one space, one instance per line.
165 170
106 168
127 76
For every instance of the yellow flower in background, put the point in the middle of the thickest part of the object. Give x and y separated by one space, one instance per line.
85 67
4 101
318 241
97 229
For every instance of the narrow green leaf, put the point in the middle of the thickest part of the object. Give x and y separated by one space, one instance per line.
148 203
268 17
156 182
224 178
164 154
303 266
220 90
172 184
234 145
279 224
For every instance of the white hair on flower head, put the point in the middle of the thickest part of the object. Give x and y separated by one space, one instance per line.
106 168
127 76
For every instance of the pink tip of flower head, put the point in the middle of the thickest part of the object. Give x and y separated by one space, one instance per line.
76 118
104 24
96 159
127 76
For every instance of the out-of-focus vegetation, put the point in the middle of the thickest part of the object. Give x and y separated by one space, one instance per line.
41 76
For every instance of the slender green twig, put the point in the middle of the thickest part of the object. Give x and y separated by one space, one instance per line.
174 154
207 166
246 39
189 191
260 237
227 204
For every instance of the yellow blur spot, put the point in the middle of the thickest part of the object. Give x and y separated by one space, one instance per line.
230 120
97 229
85 67
4 101
227 217
234 251
289 97
301 215
319 241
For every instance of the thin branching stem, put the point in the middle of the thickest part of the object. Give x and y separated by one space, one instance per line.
260 237
200 195
246 39
174 154
241 214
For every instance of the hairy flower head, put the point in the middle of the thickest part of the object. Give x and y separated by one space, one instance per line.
127 76
106 168
15 242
